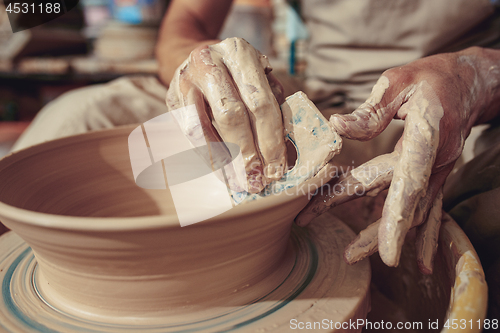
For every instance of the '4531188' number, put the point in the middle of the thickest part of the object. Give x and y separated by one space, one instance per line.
462 324
41 8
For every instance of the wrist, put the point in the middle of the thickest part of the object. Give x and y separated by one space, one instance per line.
485 89
172 54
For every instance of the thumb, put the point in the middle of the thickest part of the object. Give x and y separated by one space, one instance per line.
370 118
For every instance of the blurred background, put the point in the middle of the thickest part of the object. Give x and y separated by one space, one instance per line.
101 40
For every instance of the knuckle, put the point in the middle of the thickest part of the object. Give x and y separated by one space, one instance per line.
237 41
404 73
198 51
180 71
230 113
234 43
201 57
193 130
391 71
259 110
259 102
172 100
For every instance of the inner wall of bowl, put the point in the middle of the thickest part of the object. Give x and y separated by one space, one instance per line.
87 178
84 176
91 176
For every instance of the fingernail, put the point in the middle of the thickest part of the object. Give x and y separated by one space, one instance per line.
348 256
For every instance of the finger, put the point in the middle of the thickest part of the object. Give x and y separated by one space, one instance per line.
436 182
427 211
189 94
369 178
411 174
183 92
245 66
369 119
173 93
427 236
172 99
274 83
328 196
197 127
364 245
229 112
276 88
374 115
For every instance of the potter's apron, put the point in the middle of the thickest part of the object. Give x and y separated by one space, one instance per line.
353 41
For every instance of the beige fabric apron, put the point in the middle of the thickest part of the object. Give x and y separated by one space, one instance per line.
353 41
127 100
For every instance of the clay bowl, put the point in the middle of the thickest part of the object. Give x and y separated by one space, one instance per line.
452 299
102 242
105 246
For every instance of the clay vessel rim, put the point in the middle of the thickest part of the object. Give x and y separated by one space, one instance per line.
82 223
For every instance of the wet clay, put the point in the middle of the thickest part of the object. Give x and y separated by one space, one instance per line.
407 170
315 142
234 80
410 180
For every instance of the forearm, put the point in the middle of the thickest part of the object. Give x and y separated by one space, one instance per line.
188 24
173 52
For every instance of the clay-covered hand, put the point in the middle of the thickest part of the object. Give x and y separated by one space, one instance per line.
440 98
236 98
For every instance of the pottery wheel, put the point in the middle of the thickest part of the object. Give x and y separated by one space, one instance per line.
319 286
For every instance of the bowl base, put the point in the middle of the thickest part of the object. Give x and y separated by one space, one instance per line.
318 284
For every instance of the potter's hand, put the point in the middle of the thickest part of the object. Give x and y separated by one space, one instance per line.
440 98
231 84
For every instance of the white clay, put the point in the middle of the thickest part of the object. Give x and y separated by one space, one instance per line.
420 141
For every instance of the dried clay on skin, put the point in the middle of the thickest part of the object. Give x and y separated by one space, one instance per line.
427 236
423 113
366 116
248 71
316 143
231 78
